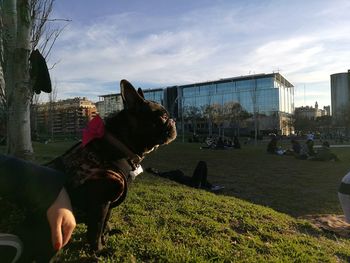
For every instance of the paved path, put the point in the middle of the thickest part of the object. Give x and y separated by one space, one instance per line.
340 145
334 146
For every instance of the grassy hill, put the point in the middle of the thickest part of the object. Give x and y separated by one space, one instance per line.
254 219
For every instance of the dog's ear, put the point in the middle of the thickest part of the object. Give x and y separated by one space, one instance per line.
131 98
140 92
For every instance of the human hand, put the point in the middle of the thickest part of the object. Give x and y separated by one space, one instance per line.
61 220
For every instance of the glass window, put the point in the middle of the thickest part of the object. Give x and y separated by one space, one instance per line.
207 89
270 95
244 85
225 87
264 83
157 96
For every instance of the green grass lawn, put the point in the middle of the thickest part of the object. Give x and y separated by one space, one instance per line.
254 219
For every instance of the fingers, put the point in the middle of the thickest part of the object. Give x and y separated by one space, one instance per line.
61 220
62 228
67 230
56 234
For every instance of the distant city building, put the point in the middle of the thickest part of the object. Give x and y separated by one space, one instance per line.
327 110
108 104
269 97
340 93
312 112
114 103
63 117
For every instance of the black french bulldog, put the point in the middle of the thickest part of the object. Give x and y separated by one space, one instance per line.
100 171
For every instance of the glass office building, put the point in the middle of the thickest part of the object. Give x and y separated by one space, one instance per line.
265 94
112 103
340 93
156 95
268 98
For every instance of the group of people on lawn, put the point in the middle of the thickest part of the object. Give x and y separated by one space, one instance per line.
220 143
303 152
307 152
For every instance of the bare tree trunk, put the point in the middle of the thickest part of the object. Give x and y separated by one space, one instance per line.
2 80
23 26
2 87
17 25
52 109
34 115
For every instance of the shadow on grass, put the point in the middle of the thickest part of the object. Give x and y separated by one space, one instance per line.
284 183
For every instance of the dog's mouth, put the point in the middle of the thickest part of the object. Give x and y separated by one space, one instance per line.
169 131
167 134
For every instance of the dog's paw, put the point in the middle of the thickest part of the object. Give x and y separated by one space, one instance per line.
110 232
115 231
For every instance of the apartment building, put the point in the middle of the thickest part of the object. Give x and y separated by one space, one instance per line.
64 117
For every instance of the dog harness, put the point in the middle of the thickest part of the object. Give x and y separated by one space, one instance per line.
83 164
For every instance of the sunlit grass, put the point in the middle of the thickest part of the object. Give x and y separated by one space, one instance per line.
254 219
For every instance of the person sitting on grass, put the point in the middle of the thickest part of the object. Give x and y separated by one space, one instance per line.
209 143
198 179
324 154
236 143
272 145
220 144
296 148
273 148
310 147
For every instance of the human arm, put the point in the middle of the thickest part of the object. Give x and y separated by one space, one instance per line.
28 185
61 220
39 190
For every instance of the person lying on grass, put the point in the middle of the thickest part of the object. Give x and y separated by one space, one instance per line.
198 179
48 218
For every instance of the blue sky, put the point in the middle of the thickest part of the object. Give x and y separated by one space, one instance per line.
158 43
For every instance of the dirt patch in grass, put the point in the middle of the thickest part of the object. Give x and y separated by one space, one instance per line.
334 224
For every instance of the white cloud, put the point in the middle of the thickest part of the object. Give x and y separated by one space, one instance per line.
204 44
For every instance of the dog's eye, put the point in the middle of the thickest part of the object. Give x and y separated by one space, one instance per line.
164 117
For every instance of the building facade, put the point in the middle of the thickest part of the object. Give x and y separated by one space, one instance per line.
340 98
112 103
340 93
309 112
108 104
64 117
267 100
